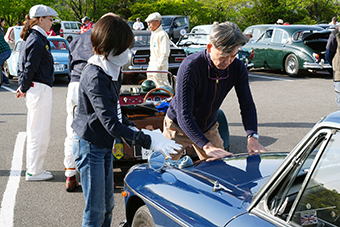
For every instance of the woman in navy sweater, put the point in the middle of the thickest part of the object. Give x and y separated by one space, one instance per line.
36 76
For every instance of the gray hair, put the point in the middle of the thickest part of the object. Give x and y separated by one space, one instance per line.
226 37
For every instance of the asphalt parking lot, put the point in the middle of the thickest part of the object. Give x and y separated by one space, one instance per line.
287 109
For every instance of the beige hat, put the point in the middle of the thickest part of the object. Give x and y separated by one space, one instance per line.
42 11
153 16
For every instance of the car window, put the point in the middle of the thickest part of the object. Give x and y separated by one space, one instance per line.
58 45
67 26
298 36
279 36
142 40
309 195
199 39
74 26
266 36
256 33
166 21
320 201
181 21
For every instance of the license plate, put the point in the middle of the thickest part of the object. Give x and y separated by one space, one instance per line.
146 153
59 68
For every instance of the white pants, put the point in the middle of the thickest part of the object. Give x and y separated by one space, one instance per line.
39 106
71 102
160 79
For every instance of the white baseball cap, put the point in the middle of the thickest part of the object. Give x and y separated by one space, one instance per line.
153 16
279 21
42 11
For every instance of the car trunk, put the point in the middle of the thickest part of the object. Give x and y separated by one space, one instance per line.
317 41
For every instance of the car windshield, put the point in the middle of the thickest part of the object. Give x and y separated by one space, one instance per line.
58 45
142 40
194 39
166 21
301 34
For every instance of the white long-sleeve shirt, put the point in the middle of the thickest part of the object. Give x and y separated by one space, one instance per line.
159 50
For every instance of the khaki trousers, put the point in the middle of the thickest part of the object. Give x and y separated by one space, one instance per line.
172 131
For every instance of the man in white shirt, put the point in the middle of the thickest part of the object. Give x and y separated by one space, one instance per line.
159 50
138 25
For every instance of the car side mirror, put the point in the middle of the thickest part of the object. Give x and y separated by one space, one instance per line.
156 160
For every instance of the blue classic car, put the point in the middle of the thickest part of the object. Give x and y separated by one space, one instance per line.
59 50
300 188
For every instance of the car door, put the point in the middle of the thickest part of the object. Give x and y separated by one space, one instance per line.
276 49
181 26
14 59
260 49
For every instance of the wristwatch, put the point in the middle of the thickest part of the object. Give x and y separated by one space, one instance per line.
256 136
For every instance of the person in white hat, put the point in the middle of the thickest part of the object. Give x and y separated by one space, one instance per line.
159 50
279 22
138 25
35 79
86 24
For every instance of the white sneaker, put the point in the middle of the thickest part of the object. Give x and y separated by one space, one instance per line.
42 176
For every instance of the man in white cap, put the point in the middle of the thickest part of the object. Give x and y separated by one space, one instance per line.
86 24
279 22
35 80
159 50
138 25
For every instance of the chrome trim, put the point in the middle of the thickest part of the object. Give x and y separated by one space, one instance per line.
314 65
145 67
158 207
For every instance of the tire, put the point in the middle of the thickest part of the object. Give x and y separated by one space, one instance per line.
143 218
7 73
292 65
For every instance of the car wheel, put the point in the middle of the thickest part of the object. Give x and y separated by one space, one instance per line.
292 65
6 69
143 218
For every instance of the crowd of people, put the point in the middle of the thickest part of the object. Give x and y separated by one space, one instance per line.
203 81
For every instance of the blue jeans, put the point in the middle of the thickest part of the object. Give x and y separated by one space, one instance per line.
4 55
4 78
337 92
96 170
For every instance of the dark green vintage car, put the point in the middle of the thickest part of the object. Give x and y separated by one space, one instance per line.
293 48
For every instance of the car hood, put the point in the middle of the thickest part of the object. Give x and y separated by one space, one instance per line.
59 56
188 192
241 172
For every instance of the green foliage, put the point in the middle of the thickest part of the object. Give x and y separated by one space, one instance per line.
242 12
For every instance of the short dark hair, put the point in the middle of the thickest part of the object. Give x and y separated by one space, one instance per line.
335 19
111 34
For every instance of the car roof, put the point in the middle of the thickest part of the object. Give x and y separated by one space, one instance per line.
141 32
173 16
296 27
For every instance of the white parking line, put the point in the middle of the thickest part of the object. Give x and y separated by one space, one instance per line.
8 200
270 78
8 89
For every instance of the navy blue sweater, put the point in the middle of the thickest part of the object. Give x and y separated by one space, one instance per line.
35 61
80 52
198 98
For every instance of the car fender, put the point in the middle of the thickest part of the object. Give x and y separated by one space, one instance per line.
162 192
